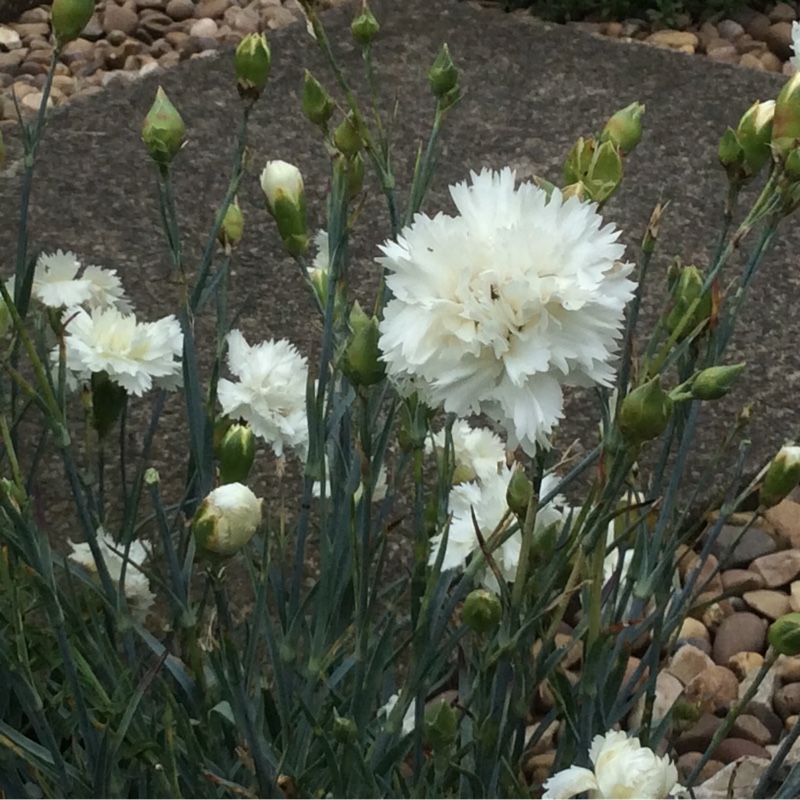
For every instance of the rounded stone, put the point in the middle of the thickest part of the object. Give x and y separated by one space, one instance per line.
180 10
734 748
787 700
758 26
688 761
738 581
782 12
742 664
749 727
778 569
203 29
740 632
779 39
713 689
732 547
687 663
728 29
213 9
726 54
122 18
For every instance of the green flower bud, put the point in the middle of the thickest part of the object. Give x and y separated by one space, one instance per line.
715 382
284 194
232 228
482 610
518 494
754 135
362 358
69 18
108 400
237 451
784 635
355 175
163 131
786 119
605 172
687 289
782 477
731 155
344 730
443 75
578 162
317 103
624 129
346 137
364 26
226 520
252 62
645 412
791 167
440 725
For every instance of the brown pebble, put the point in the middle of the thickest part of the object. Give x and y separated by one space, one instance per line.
734 748
751 728
688 761
787 700
713 689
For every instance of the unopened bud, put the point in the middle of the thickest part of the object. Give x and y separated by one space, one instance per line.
364 26
252 63
344 730
791 167
786 120
782 477
443 75
232 228
715 382
754 135
482 610
226 520
346 137
355 175
645 412
731 155
605 172
440 725
69 18
163 131
285 197
688 289
518 494
624 129
362 358
784 635
317 103
237 450
576 166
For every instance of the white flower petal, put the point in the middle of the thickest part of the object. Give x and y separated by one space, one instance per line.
568 783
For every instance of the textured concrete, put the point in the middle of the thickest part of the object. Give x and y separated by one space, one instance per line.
529 89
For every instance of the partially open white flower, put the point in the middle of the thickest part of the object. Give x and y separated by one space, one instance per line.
408 719
56 282
622 769
271 392
486 500
477 452
133 354
137 585
496 309
227 519
105 289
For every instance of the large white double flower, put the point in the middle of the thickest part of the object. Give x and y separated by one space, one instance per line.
622 768
270 393
495 309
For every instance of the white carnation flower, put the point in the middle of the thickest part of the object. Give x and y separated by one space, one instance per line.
622 768
495 309
487 502
271 392
55 281
105 289
137 585
477 452
134 354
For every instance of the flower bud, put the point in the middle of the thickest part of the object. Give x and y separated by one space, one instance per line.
237 450
786 119
482 610
605 172
163 131
226 520
344 730
232 228
782 476
364 26
715 382
317 103
282 185
440 725
576 166
362 358
791 167
624 129
69 18
355 175
784 635
518 494
645 412
687 289
443 75
252 62
346 137
754 135
731 155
